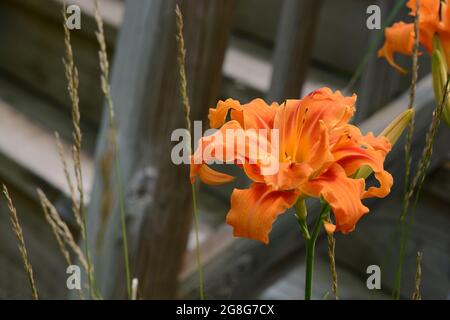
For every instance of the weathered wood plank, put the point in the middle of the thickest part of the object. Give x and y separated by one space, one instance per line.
342 25
237 271
30 31
42 112
145 89
30 156
293 48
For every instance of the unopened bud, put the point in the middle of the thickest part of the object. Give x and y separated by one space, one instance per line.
439 71
395 129
392 132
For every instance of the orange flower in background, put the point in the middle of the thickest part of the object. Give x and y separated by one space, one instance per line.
434 18
318 153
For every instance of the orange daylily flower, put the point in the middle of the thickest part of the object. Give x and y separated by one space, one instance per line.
319 152
400 37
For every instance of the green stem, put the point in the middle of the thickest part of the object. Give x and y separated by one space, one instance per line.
86 250
197 243
118 172
310 246
310 240
123 223
83 214
408 146
416 187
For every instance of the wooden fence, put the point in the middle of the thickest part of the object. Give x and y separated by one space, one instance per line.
292 48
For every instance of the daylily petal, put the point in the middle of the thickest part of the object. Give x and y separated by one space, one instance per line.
342 193
380 143
386 180
335 109
210 176
429 20
217 116
352 158
254 210
259 115
254 115
321 155
399 39
289 176
330 228
427 8
207 152
353 151
299 123
289 120
427 30
216 145
232 144
253 171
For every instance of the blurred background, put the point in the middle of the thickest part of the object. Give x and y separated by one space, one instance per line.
244 49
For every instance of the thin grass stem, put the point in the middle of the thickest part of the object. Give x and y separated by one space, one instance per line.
408 146
332 259
21 243
187 110
418 278
72 86
106 89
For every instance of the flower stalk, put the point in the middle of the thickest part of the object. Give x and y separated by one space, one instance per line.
310 240
187 111
104 67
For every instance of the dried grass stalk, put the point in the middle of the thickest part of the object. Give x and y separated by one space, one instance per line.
61 231
187 111
103 60
104 77
73 196
425 160
412 97
331 256
72 86
182 68
408 189
21 242
416 294
56 231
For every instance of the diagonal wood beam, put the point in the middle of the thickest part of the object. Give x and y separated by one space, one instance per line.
145 89
293 48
